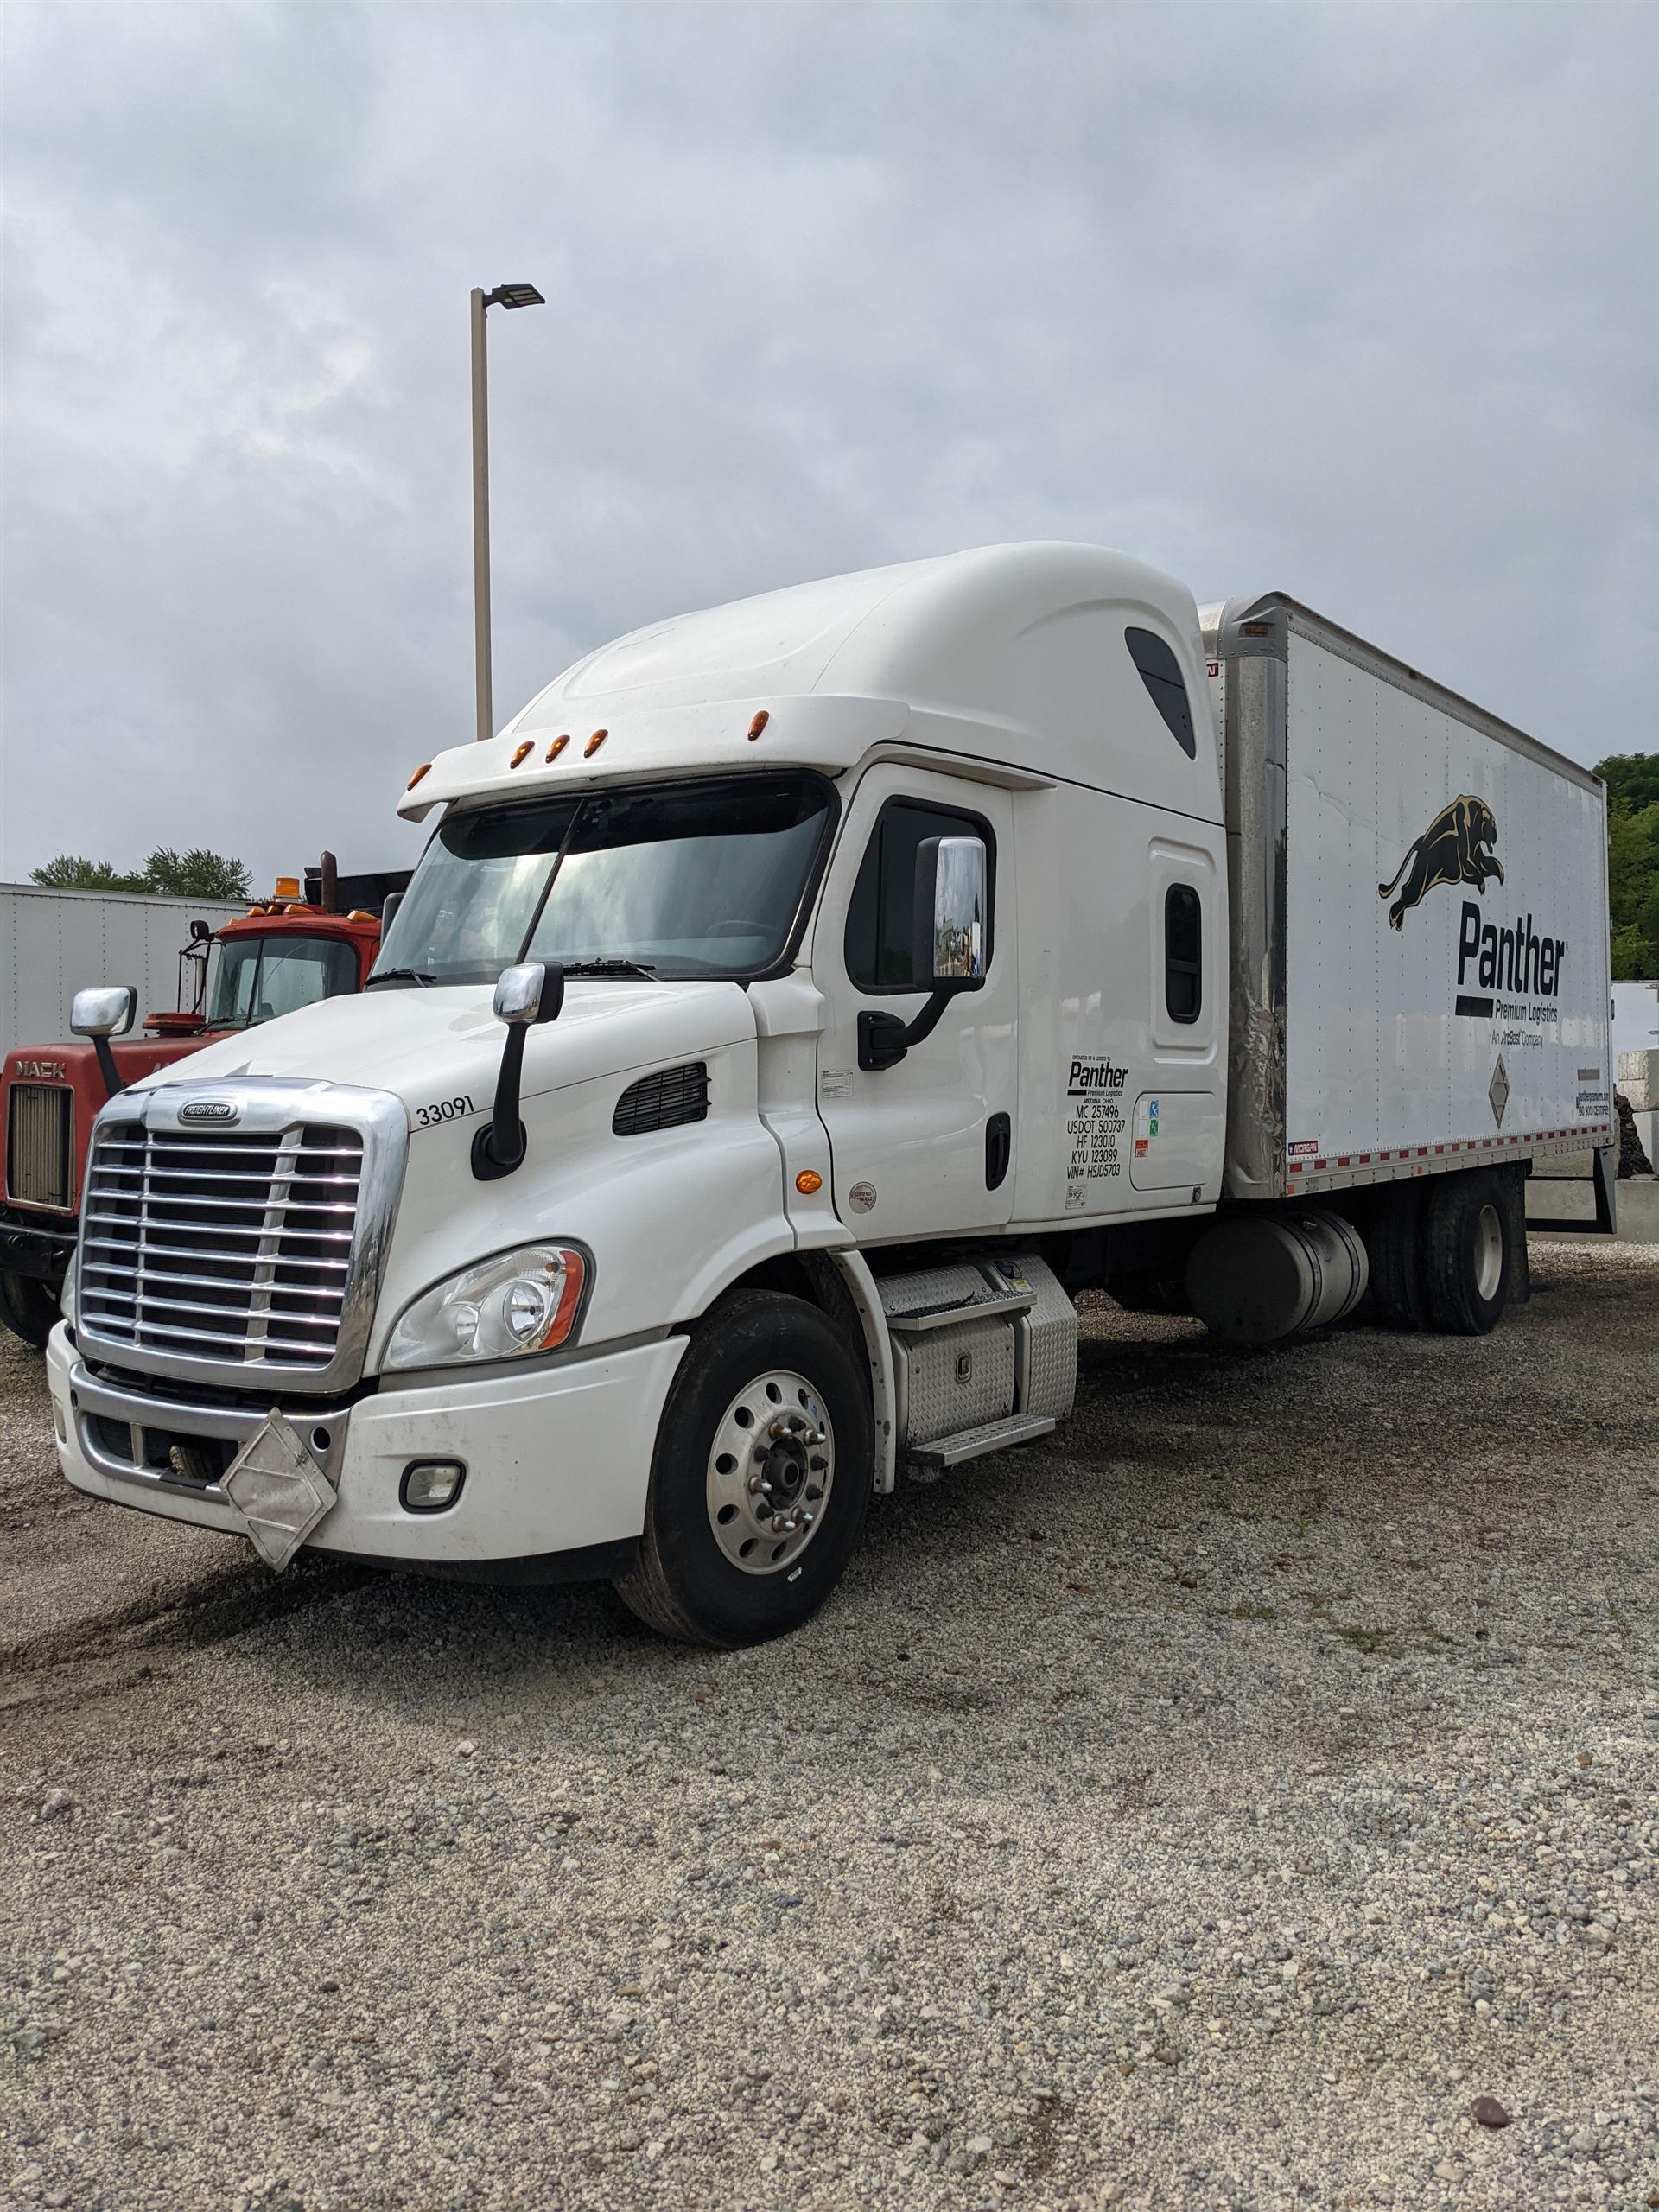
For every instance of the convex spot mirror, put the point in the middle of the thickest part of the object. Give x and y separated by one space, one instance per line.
530 993
953 884
107 1010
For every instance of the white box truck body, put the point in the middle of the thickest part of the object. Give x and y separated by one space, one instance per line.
797 1005
54 944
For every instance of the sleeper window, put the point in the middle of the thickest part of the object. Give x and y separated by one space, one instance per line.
1183 952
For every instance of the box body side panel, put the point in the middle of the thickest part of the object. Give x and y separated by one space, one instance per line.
1446 937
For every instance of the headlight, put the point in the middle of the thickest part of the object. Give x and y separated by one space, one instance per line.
521 1301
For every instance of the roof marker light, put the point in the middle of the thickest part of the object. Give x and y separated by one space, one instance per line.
555 748
425 769
593 743
759 724
521 753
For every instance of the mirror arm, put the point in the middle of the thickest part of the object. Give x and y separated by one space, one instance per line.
499 1147
883 1039
106 1067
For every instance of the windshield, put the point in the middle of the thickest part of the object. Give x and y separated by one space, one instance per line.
686 878
260 977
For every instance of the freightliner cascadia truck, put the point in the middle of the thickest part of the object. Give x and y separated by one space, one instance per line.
284 952
795 1008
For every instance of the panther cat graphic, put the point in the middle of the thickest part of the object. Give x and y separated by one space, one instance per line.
1456 847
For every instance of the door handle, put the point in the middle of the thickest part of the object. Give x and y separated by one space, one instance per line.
999 1149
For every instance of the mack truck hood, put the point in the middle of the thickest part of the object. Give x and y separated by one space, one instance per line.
444 1041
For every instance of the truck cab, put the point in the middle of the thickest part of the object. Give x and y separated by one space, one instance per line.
285 953
776 1189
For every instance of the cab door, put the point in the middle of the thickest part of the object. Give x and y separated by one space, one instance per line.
924 1147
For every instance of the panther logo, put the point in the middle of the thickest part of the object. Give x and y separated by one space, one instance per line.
1456 847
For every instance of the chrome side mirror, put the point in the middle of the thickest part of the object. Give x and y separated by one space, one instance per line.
524 995
107 1010
952 881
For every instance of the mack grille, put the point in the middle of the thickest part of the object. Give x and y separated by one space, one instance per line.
220 1246
37 1144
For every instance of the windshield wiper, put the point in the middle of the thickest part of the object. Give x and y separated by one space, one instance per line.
399 976
605 968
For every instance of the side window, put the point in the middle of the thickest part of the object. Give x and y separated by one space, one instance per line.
880 916
1183 952
1162 674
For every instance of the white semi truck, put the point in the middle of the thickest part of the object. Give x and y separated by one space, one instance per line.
796 1007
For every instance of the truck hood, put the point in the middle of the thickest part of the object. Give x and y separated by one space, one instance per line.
444 1042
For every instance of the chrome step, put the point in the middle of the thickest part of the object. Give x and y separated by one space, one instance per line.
947 1314
974 1443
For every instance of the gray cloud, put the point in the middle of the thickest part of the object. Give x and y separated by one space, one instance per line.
1357 301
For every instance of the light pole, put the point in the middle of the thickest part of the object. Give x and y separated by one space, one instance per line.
503 296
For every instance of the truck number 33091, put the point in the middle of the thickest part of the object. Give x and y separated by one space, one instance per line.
446 1109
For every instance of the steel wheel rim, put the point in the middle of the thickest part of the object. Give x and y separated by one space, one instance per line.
1488 1252
771 1467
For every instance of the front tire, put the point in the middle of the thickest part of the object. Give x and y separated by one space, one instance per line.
29 1308
760 1478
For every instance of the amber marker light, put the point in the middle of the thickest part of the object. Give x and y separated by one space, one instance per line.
555 748
759 724
425 769
593 743
808 1181
521 753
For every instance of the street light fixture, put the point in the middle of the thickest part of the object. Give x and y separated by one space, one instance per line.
503 296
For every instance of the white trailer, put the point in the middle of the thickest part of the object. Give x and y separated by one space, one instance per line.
796 1006
54 944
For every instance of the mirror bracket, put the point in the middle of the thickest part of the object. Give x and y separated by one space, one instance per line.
524 996
884 1039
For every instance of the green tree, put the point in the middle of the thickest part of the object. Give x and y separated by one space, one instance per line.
69 871
1632 781
198 873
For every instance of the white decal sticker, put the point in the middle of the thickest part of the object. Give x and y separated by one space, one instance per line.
861 1197
835 1083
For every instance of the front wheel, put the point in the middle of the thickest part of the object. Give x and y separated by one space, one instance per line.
761 1479
28 1308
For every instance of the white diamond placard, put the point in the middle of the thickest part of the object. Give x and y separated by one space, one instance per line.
1498 1091
278 1489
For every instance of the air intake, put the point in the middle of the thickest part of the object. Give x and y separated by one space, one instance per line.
662 1101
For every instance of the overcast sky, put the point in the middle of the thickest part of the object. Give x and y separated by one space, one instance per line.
1358 302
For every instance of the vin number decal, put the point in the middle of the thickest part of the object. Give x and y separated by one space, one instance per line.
446 1109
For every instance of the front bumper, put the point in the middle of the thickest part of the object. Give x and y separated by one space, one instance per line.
29 1246
557 1459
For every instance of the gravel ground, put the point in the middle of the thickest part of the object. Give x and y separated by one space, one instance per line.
1207 1811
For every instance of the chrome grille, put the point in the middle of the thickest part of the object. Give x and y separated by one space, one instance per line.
220 1245
37 1144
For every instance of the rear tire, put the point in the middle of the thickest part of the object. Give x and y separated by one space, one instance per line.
29 1308
720 1563
1467 1244
1394 1246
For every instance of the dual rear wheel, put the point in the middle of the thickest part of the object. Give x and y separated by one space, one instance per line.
1447 1253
